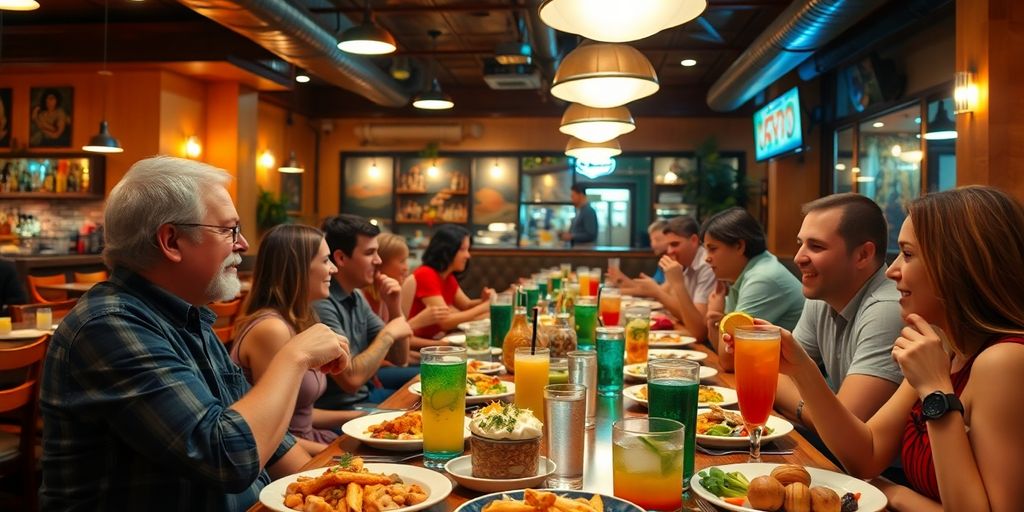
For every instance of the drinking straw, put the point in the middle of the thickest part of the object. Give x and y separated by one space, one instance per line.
533 340
599 319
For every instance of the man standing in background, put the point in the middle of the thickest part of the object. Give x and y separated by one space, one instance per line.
584 226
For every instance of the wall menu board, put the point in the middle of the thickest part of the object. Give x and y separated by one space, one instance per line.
777 128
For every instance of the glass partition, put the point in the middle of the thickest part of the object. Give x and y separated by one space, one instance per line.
889 165
842 173
941 152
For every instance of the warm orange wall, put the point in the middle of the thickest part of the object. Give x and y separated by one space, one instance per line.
534 134
182 112
274 133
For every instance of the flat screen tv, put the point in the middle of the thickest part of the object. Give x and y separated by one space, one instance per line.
777 129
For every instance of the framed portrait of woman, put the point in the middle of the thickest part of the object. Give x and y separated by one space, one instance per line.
50 111
5 118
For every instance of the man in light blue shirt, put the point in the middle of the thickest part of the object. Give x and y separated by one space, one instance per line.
584 226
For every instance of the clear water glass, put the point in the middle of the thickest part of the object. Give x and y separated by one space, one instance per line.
565 407
583 371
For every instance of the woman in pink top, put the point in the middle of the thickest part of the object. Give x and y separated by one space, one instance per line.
434 283
293 269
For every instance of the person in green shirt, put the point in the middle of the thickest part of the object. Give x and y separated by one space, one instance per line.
750 279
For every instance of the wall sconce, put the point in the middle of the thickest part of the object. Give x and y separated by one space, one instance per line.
193 148
266 159
965 93
374 170
433 171
496 169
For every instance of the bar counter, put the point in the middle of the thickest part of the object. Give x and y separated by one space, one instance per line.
598 453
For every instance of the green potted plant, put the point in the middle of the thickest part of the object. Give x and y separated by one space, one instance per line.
270 211
715 184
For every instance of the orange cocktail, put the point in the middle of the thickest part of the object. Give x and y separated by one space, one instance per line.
757 352
610 307
647 462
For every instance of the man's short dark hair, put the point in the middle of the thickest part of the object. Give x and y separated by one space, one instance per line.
861 221
443 246
684 226
579 188
342 232
735 224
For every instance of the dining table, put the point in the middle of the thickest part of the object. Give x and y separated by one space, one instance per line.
598 448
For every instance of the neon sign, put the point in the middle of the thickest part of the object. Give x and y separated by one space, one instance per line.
777 126
594 169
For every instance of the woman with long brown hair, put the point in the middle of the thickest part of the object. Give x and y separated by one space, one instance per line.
293 269
956 418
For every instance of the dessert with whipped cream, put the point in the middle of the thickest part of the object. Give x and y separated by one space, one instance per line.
505 442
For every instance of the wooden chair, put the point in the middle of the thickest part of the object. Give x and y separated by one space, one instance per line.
26 312
91 277
227 312
18 440
47 295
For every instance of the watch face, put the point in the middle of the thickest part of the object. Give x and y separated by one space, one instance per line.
934 405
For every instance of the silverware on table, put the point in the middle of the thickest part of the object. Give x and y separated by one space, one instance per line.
374 409
704 506
711 451
381 458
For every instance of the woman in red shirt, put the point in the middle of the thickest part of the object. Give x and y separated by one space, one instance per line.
956 418
434 283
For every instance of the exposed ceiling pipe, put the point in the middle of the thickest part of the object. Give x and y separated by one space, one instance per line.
290 32
544 40
804 27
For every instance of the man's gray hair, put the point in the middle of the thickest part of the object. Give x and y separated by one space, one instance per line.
155 191
657 226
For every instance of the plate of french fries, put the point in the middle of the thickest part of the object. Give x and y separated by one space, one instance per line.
352 486
548 500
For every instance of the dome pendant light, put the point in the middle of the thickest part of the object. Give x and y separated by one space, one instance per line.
433 98
596 124
18 5
618 21
103 142
942 128
292 166
591 152
367 38
604 75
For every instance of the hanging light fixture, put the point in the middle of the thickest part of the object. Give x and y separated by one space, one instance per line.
18 5
618 21
367 38
592 152
604 75
942 128
292 166
103 142
433 98
596 124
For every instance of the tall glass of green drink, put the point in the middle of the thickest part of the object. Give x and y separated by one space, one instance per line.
501 317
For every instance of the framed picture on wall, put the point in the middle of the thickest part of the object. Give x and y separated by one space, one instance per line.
291 192
50 111
5 118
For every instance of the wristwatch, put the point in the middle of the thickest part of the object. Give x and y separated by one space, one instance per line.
937 404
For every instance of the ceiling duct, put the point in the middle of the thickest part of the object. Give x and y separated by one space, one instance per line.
397 133
544 40
804 27
290 32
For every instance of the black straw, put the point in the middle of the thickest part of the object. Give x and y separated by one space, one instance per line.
533 340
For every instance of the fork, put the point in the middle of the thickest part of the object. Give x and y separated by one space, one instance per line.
710 451
372 409
704 506
382 458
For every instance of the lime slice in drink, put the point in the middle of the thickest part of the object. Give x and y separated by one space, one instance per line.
663 451
444 399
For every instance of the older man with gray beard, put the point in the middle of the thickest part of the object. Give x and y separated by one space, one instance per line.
142 407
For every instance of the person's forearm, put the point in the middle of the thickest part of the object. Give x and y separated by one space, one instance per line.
956 470
327 418
365 364
276 391
418 342
787 400
682 306
904 499
399 353
311 447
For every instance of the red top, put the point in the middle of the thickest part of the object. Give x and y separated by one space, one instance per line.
917 449
429 284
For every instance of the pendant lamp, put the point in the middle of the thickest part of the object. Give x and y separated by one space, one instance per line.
591 152
18 5
596 124
103 142
433 98
604 75
367 38
942 128
618 21
292 166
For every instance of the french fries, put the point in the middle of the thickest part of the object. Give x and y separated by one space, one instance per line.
542 501
351 489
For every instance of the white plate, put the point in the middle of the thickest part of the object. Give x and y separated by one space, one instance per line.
438 486
611 503
780 428
633 303
475 399
728 395
670 339
461 469
639 371
455 339
669 353
23 334
871 498
487 367
358 427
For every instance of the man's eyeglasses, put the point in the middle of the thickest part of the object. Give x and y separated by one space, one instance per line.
234 230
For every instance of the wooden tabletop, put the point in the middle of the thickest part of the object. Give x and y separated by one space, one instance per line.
81 288
598 457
